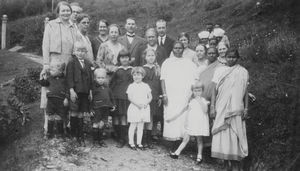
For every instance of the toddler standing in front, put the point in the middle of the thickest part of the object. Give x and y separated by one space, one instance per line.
139 95
197 123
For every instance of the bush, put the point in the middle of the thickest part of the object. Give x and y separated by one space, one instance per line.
272 134
14 114
27 32
26 88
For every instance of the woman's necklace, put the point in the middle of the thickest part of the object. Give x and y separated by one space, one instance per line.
221 60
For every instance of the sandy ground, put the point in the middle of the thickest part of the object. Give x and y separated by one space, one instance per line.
30 151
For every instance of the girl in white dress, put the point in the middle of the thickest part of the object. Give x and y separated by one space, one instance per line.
196 123
139 95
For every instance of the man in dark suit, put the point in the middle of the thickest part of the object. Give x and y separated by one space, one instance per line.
151 38
130 40
164 40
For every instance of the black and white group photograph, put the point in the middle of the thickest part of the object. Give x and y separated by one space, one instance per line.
154 85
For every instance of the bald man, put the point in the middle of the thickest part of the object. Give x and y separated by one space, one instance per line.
151 38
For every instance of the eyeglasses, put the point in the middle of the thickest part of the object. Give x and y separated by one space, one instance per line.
85 22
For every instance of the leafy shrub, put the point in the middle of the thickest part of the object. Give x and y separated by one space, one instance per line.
26 87
271 129
14 113
16 9
27 32
213 4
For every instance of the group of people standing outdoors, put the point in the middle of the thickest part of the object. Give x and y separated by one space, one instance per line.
143 83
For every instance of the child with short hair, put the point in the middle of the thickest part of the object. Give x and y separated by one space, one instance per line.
102 104
57 98
152 78
139 95
119 83
79 81
197 122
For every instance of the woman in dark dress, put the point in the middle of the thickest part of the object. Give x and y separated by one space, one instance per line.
119 83
101 38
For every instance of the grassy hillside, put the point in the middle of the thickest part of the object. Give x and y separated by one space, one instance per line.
266 35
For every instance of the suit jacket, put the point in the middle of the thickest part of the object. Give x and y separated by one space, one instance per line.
78 78
168 45
160 58
134 46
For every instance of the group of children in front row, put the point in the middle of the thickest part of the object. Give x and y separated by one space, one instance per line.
130 95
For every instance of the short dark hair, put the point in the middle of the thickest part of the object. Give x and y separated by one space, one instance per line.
81 17
130 18
234 51
178 42
184 34
60 4
123 53
215 49
114 25
104 21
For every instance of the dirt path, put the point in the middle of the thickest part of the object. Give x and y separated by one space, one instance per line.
58 155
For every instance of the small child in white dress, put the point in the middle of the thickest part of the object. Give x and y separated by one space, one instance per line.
139 95
197 122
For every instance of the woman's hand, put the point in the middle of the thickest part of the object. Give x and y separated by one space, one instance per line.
73 95
165 100
90 96
159 102
66 102
245 114
213 112
44 71
141 106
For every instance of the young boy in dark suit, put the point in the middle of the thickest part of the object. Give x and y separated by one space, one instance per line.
79 81
102 104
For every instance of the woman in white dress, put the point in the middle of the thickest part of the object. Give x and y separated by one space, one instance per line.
230 105
177 77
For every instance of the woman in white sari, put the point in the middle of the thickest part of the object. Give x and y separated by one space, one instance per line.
230 104
177 77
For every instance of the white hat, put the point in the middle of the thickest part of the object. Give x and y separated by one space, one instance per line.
203 35
218 32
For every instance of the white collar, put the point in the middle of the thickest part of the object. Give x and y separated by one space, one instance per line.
130 34
125 68
149 66
152 47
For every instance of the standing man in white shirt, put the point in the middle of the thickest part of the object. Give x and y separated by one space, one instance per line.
164 40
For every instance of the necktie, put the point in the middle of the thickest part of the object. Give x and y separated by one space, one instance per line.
160 40
82 63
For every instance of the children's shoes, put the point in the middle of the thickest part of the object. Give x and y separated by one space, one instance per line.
174 156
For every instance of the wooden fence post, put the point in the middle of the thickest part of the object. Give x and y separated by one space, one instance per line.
3 32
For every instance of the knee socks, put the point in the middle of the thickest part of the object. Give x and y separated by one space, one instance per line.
60 127
50 128
74 125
